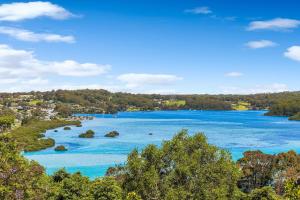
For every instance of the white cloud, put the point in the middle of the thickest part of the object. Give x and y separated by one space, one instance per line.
73 68
133 80
274 24
293 53
39 84
234 74
23 64
21 70
8 80
199 10
36 81
260 44
30 10
160 91
275 87
25 35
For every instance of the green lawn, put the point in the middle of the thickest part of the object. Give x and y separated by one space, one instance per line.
177 103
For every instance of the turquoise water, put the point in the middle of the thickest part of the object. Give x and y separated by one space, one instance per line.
236 131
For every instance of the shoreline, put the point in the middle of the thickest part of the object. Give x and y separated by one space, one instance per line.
30 137
131 133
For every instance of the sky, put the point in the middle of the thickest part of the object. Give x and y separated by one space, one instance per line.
150 46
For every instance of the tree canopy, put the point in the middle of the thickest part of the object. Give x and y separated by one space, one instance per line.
186 167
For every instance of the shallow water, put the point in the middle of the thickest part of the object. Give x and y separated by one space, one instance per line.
236 131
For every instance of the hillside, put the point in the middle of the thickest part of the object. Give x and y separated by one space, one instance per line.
67 102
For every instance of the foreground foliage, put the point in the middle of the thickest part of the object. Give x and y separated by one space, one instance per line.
20 178
184 168
261 170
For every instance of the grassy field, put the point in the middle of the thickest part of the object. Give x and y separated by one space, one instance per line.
241 105
177 103
30 137
133 109
35 102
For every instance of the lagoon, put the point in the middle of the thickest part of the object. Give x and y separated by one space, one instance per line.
236 131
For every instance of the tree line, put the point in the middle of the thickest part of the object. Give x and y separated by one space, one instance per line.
102 101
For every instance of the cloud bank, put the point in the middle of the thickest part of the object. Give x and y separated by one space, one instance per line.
270 88
133 80
22 64
29 36
274 24
30 10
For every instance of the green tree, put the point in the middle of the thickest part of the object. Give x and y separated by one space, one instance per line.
19 178
261 170
133 196
63 110
106 189
264 193
292 190
72 187
257 170
60 175
6 121
186 167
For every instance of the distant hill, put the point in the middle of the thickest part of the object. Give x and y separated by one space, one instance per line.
103 101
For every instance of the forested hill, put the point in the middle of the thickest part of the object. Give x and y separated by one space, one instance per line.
102 101
287 105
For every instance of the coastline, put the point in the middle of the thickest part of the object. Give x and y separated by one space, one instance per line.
242 130
30 137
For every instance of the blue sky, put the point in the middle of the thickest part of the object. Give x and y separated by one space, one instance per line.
150 46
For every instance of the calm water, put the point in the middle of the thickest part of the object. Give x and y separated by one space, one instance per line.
237 131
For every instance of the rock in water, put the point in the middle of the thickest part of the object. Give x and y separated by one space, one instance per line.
87 134
60 148
112 134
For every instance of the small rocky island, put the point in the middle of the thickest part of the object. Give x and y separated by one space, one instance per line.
60 148
67 128
87 134
112 134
